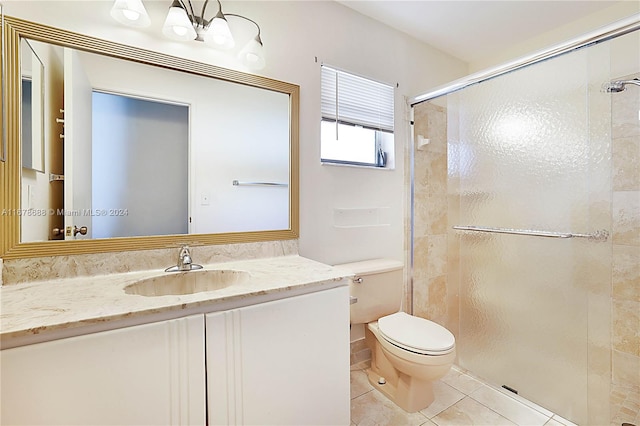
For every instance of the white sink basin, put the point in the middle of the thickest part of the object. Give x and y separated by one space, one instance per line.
176 283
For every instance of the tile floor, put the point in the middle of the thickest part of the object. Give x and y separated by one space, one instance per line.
460 400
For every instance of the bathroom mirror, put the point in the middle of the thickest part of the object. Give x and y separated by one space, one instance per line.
3 131
233 162
32 89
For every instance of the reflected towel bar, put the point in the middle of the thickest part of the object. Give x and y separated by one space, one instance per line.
600 235
238 183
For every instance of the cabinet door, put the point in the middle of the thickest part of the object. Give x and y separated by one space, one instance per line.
284 362
147 374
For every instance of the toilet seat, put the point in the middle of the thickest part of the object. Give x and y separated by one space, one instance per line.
416 334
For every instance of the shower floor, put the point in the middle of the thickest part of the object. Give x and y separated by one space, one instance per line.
461 399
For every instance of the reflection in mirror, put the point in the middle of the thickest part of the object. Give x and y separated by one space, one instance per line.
143 157
32 70
222 169
138 145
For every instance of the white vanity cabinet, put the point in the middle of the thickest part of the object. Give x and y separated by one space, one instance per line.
147 374
284 362
281 362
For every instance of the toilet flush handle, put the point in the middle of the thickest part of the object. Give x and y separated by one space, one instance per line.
357 280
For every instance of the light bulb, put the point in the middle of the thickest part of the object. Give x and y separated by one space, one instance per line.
131 13
180 30
218 39
218 34
178 26
252 55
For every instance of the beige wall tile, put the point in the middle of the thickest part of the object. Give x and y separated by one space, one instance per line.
626 368
430 256
436 214
437 303
626 217
430 214
626 273
421 214
431 171
624 112
430 299
431 123
626 327
421 296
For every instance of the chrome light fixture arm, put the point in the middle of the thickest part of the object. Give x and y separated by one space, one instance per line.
191 14
200 20
195 19
183 24
252 54
248 19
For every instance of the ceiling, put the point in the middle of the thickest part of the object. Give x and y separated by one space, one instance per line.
470 30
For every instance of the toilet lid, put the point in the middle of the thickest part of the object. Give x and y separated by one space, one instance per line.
416 334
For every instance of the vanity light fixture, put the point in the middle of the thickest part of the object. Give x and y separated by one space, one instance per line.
130 12
183 24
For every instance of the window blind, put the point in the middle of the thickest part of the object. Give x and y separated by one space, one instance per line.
348 98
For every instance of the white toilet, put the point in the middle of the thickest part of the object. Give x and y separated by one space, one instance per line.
407 353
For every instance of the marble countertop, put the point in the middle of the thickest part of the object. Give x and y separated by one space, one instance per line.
45 310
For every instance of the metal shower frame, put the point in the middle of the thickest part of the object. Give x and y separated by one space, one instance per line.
608 32
616 29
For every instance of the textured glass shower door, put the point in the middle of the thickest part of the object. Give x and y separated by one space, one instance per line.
529 150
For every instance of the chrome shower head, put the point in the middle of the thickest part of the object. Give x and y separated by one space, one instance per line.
617 86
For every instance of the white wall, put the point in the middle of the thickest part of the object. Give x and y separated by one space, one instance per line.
561 34
295 33
35 191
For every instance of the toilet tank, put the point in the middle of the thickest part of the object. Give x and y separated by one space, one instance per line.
381 289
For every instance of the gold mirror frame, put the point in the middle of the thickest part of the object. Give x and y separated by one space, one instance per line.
10 170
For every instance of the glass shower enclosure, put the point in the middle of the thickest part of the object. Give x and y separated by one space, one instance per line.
533 156
529 217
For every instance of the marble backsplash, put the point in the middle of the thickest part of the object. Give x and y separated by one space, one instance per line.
16 271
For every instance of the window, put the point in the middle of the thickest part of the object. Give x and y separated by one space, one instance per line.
357 120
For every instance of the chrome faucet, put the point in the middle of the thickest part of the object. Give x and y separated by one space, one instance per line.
184 262
184 259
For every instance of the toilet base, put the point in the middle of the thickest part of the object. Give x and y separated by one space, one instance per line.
411 392
420 397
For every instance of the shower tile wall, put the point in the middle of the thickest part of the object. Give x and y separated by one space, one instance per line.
625 395
435 289
433 298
